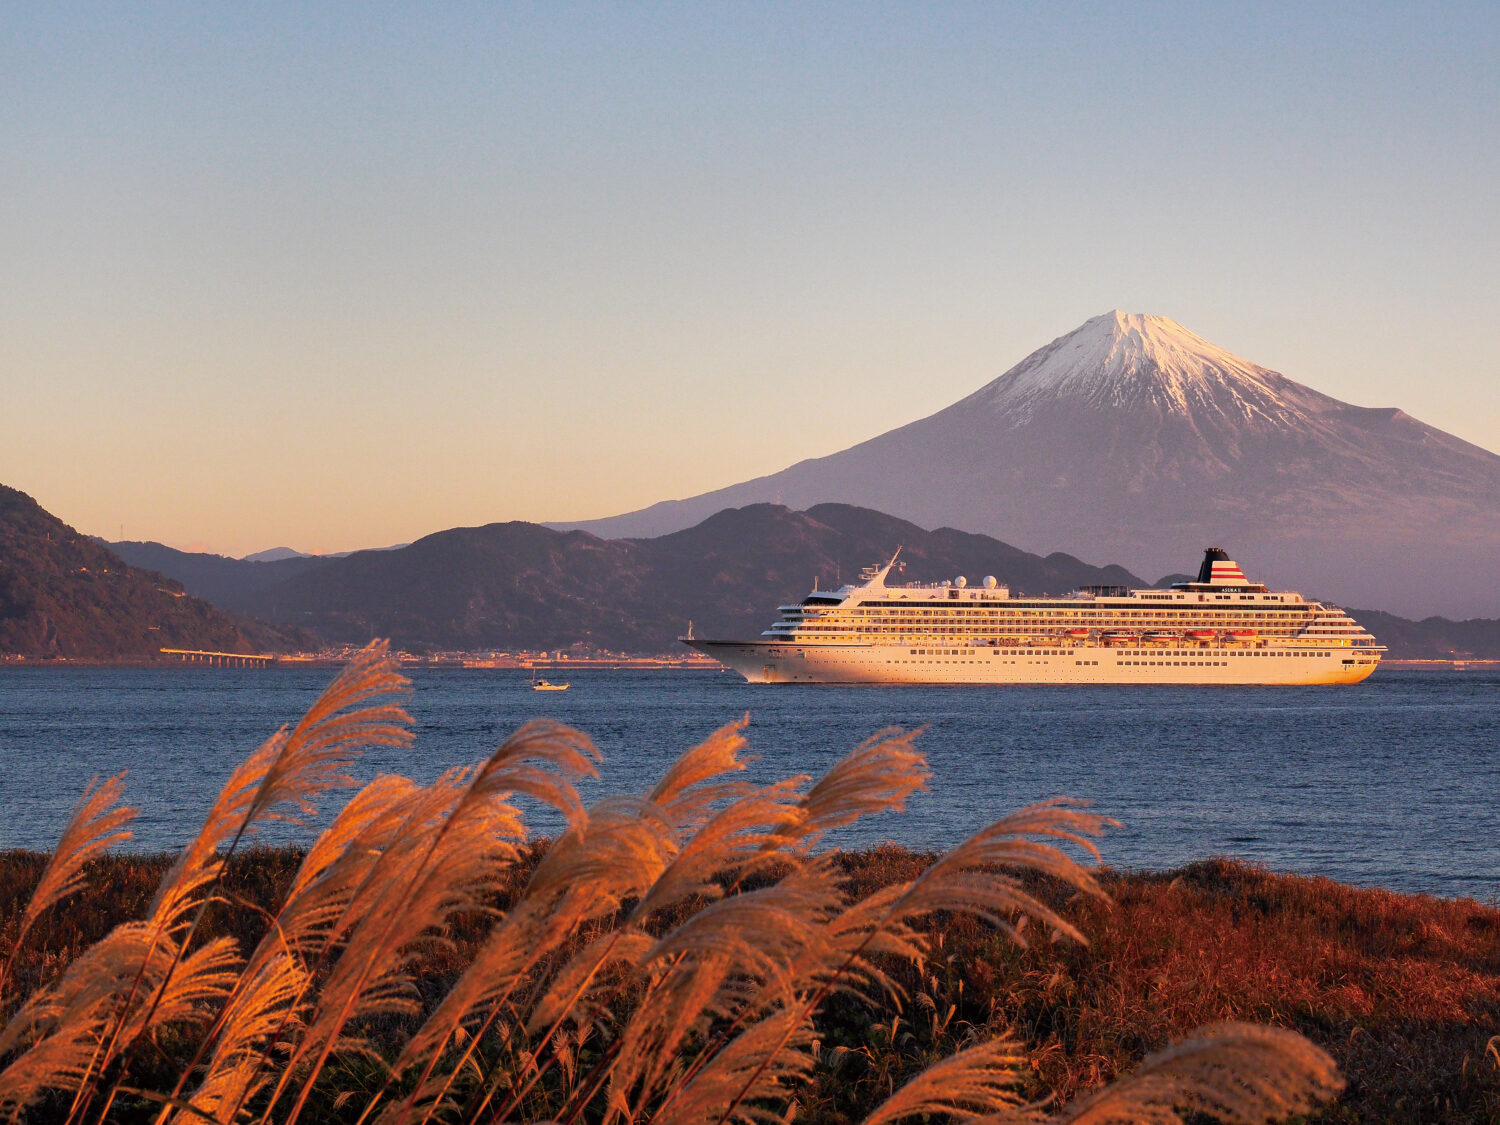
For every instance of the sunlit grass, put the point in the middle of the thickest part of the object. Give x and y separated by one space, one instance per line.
690 955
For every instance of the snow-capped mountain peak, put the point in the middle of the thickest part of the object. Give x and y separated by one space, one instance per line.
1124 359
1133 439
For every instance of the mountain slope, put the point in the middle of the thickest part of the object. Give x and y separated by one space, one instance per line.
524 586
64 595
514 585
1435 638
228 583
1132 438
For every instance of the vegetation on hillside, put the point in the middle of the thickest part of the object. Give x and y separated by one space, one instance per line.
522 585
64 595
688 955
1433 638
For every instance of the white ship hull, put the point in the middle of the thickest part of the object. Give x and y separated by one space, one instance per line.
763 662
1219 629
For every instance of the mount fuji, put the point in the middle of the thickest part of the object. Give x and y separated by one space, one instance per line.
1133 440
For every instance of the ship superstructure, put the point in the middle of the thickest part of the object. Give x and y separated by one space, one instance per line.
1220 628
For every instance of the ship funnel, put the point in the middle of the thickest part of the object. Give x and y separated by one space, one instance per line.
1219 569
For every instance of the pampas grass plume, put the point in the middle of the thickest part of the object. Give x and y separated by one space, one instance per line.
668 960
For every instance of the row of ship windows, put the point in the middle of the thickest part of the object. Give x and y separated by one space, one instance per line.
877 634
1017 621
1069 622
997 626
1012 606
1023 603
954 636
1058 615
1175 663
1066 652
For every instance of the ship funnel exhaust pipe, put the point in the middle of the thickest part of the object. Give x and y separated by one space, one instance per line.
1211 556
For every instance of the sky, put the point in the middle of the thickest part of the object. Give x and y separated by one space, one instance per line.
338 276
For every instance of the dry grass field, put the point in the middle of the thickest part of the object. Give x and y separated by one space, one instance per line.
693 955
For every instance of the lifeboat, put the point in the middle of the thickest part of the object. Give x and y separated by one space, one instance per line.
1120 638
1161 638
1201 635
1077 634
1241 634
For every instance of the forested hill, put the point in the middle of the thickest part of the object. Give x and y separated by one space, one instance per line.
522 585
64 595
230 584
519 585
1433 638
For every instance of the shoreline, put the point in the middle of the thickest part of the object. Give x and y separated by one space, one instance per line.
280 853
479 662
271 660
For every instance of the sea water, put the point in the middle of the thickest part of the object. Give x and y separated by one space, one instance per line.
1394 782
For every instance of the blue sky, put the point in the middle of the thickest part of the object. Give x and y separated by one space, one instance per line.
341 276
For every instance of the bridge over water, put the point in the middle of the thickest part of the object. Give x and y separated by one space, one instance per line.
223 659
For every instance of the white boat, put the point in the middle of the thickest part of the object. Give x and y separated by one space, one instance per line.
952 633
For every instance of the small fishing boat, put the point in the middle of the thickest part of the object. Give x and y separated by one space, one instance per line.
545 685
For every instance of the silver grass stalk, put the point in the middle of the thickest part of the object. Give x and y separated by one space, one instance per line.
750 1078
1235 1072
603 859
263 1006
378 922
630 848
98 823
955 883
708 1019
734 953
982 875
288 767
291 768
460 858
607 855
978 1081
337 866
695 782
876 777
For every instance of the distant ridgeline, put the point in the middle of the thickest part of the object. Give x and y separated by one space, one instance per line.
63 594
1433 638
516 585
522 585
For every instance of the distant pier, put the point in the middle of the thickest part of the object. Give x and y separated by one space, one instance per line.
220 659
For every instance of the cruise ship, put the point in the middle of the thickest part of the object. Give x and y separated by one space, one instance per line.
1219 629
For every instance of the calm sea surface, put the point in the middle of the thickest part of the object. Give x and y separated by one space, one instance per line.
1393 783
